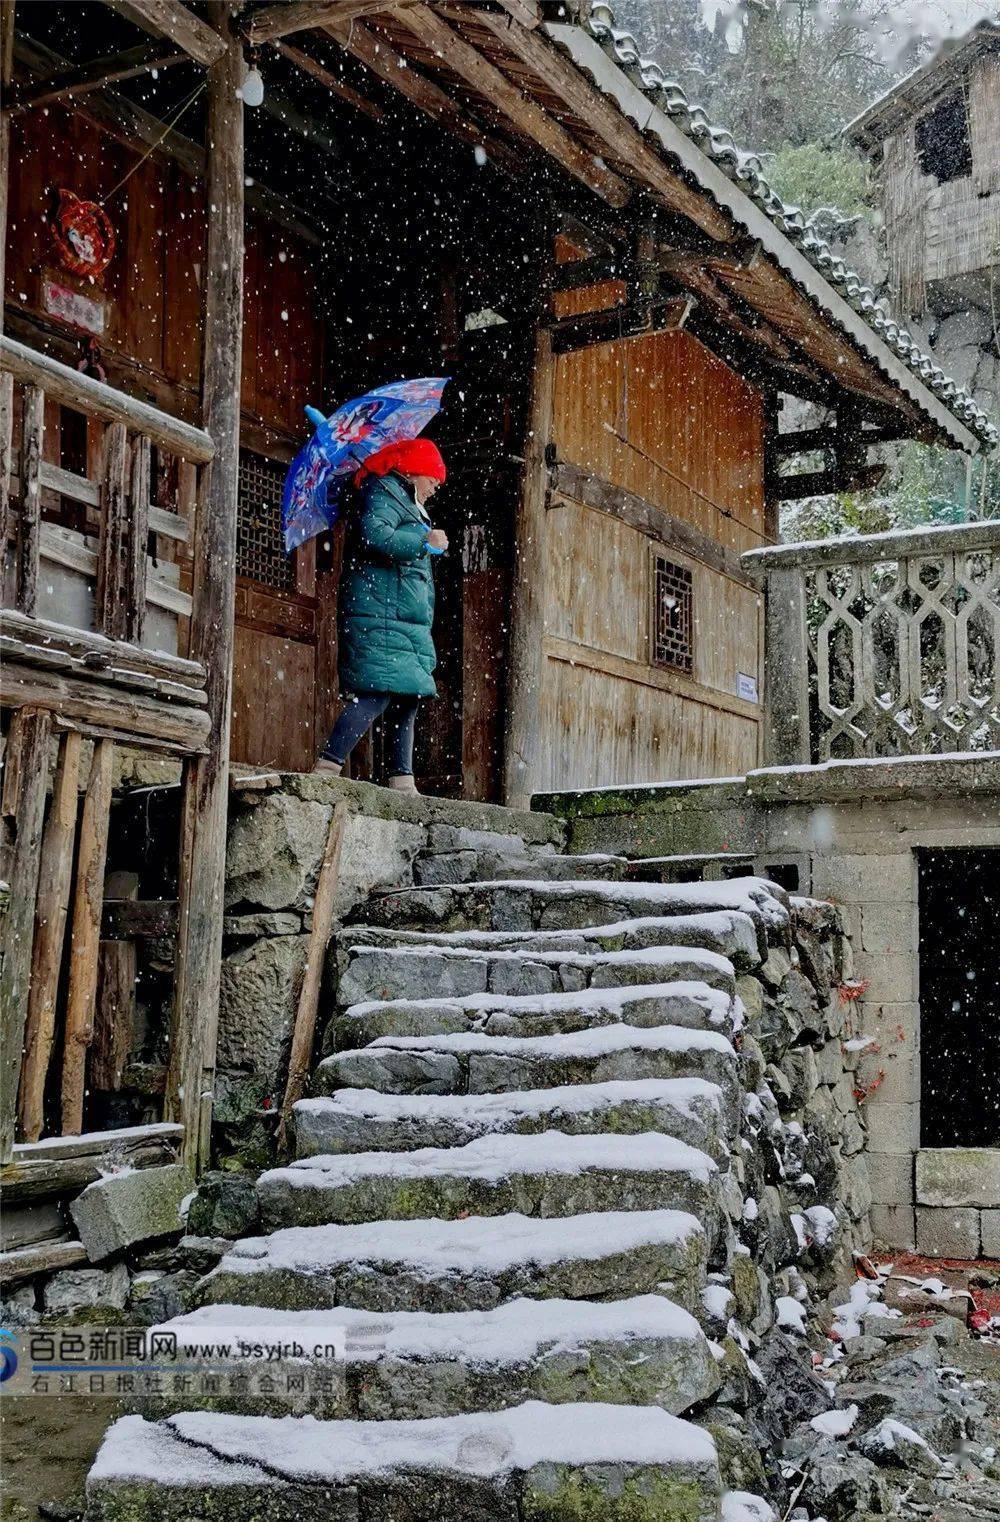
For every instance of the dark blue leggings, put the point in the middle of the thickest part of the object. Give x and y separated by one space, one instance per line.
363 708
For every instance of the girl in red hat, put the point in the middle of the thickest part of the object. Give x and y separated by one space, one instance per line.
386 612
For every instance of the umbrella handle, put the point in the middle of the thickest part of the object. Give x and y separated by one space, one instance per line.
315 416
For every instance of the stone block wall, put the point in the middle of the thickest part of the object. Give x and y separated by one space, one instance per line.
848 832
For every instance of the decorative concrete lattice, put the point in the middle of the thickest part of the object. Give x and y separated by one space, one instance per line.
673 615
904 653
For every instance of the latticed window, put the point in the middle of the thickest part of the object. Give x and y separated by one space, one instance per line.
260 550
673 615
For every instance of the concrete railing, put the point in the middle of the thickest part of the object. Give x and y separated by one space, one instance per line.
882 645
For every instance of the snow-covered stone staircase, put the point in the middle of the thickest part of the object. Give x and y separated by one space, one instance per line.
511 1180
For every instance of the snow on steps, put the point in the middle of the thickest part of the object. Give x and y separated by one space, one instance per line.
363 1120
376 973
557 1462
478 1064
527 904
546 1175
727 932
644 1351
693 1005
470 1264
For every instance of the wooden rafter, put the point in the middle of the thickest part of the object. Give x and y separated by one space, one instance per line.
173 20
326 77
585 101
93 76
384 61
522 112
282 20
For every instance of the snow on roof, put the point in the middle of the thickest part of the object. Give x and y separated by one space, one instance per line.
917 88
746 169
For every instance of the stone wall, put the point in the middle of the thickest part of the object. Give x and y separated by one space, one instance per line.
848 832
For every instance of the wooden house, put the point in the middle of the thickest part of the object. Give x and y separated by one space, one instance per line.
501 191
934 140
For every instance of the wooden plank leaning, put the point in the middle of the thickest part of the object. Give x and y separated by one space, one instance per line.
50 932
88 900
26 772
304 1028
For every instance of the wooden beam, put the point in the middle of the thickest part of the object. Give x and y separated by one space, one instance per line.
389 65
6 73
74 82
574 484
807 440
525 664
622 140
172 19
633 321
300 15
205 805
50 930
329 80
104 707
578 274
820 483
521 110
22 808
86 931
60 1164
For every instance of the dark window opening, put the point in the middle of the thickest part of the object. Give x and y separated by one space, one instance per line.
673 615
785 874
959 999
260 546
944 147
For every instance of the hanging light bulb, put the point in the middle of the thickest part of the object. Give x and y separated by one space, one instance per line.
253 85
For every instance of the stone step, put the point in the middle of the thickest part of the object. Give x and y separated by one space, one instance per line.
536 1461
375 973
550 1174
645 1351
471 1264
727 932
550 866
694 1006
478 1064
363 1120
536 905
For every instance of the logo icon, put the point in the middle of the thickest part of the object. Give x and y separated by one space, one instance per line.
8 1355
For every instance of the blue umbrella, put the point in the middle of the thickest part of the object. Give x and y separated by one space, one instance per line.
342 442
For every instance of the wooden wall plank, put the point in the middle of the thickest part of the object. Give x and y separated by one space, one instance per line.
88 900
50 930
26 771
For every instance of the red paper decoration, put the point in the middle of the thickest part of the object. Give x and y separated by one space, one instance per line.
83 235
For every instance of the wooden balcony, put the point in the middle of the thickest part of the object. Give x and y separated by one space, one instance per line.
882 645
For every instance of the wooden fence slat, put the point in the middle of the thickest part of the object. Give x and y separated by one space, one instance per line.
114 1017
26 773
29 523
87 904
112 573
50 931
136 538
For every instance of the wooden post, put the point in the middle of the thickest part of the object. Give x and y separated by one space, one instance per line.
112 583
6 70
50 930
114 1014
136 539
26 775
29 527
786 669
191 1069
304 1029
6 459
525 660
88 901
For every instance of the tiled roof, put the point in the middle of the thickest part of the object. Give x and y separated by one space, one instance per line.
747 170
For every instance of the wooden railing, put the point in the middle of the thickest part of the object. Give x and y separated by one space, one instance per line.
62 685
882 645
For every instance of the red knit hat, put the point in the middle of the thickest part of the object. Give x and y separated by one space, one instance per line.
413 457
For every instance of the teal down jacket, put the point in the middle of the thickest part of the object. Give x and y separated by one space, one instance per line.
387 593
